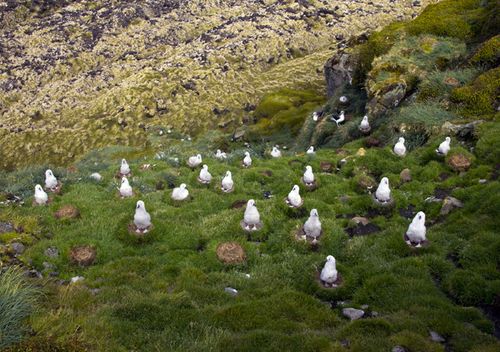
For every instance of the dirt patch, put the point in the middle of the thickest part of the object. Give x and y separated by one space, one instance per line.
230 253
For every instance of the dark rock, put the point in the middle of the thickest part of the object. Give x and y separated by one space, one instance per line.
361 229
372 142
387 98
17 247
238 204
398 349
353 313
6 227
441 193
409 212
339 71
33 274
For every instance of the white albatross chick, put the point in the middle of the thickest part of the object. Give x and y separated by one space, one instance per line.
276 153
142 219
125 188
180 193
227 183
364 125
444 147
308 176
329 272
247 160
205 176
194 160
50 180
41 196
251 218
315 116
294 197
399 148
124 168
312 226
383 192
220 155
310 151
417 230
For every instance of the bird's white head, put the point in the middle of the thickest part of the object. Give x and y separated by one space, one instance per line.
385 181
309 168
38 188
182 186
198 157
314 212
49 173
140 205
205 167
330 259
247 154
311 149
420 217
228 173
295 189
401 140
448 139
251 203
124 180
365 118
124 162
218 151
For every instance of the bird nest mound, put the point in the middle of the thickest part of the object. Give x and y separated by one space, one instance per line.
67 212
309 186
300 235
57 189
287 202
83 255
250 228
135 231
423 244
230 253
387 204
337 283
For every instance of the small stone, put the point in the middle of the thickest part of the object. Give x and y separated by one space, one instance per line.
482 181
405 175
54 274
435 337
449 204
398 349
96 176
230 253
459 162
83 255
33 274
76 279
364 306
353 313
17 247
238 134
375 314
52 252
48 266
6 227
95 291
232 291
67 212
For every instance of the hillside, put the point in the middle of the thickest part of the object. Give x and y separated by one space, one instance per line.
173 288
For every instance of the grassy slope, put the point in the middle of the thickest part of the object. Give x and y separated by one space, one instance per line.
168 291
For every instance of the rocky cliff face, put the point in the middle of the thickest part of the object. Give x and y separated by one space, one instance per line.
76 75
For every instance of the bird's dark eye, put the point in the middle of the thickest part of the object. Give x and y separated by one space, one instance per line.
419 217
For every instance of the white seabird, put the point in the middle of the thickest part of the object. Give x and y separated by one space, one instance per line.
124 168
205 176
383 192
125 188
251 218
364 125
294 197
180 193
329 272
444 147
312 226
41 197
417 230
308 177
340 119
310 151
220 155
142 219
247 160
276 153
50 180
399 148
227 183
194 160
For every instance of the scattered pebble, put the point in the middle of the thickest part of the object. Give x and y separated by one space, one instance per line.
353 313
232 291
52 252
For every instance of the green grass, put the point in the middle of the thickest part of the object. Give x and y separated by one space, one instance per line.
17 302
171 286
